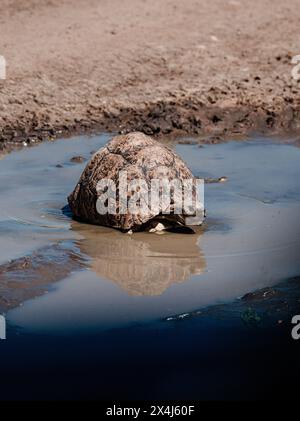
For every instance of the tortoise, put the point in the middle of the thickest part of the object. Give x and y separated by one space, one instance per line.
140 157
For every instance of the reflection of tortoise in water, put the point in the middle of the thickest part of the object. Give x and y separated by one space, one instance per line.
141 264
142 158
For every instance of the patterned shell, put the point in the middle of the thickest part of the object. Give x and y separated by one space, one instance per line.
141 157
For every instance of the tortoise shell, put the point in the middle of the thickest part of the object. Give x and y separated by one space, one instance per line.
141 157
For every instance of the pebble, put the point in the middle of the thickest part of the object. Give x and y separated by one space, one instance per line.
77 159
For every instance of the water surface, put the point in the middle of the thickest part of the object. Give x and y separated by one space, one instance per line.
61 278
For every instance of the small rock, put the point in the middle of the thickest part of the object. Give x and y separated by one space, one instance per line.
262 294
77 159
211 180
201 47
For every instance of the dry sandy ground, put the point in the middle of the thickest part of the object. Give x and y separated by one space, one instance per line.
212 68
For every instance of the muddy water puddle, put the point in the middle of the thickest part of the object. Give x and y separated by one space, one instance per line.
59 276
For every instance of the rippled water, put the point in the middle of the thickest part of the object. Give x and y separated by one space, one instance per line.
251 238
78 279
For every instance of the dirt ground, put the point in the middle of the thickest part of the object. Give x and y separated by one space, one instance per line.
208 68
